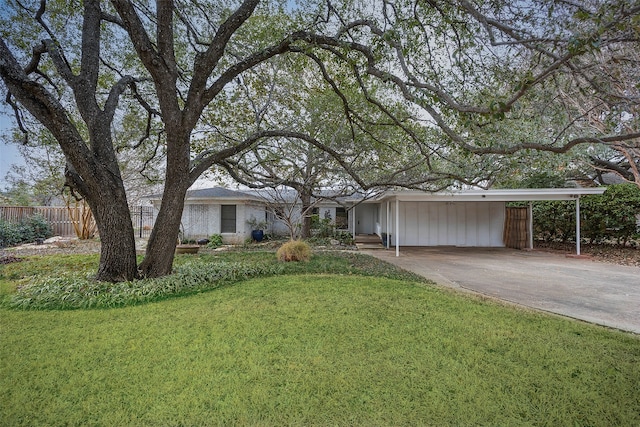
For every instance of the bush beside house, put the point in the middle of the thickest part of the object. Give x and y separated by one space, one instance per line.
613 216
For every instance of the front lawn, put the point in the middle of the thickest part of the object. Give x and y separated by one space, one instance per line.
314 349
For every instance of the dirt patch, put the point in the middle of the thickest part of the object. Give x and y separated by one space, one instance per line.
8 259
62 246
613 254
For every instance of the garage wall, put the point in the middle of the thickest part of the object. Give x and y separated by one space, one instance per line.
451 224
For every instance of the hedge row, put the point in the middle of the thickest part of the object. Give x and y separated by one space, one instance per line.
609 217
25 231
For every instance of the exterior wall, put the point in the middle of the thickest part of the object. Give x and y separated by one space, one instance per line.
201 220
279 227
327 212
474 224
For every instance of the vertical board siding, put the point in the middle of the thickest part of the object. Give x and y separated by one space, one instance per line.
57 216
452 224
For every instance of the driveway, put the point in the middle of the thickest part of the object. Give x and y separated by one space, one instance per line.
595 292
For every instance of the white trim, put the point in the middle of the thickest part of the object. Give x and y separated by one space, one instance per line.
353 214
397 227
493 195
578 226
387 226
530 213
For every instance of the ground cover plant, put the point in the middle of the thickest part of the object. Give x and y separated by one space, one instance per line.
65 282
314 350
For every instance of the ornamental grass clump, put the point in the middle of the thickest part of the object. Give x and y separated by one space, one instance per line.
294 250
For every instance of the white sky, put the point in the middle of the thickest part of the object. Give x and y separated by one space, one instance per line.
9 153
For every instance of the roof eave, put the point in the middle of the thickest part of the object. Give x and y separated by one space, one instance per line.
518 195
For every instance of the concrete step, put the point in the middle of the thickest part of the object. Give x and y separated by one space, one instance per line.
370 245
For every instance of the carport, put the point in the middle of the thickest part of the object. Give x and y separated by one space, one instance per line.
468 218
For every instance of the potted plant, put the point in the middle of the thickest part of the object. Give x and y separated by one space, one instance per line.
257 228
185 246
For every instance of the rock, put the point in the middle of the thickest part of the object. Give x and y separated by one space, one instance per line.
54 239
334 242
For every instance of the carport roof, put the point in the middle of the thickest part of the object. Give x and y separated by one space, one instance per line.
517 195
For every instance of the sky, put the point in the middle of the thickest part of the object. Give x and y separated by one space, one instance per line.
9 153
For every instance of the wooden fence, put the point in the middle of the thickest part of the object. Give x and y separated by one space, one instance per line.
516 230
56 216
61 220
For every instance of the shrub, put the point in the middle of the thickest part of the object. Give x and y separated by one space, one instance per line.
619 206
9 234
611 216
324 228
215 241
345 237
27 230
294 250
554 220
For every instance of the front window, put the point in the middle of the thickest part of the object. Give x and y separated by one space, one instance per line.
228 219
342 218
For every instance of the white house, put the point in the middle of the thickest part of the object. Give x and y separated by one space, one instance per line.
228 212
478 218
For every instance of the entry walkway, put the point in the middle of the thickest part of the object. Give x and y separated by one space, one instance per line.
595 292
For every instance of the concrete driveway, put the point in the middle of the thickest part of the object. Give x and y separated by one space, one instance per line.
596 292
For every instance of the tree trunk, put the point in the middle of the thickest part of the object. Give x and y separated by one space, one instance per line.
305 199
118 248
92 168
158 260
103 189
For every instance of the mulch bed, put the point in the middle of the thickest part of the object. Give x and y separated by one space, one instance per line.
69 247
610 253
614 254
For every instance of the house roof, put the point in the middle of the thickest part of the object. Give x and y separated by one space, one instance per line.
211 193
290 195
517 195
502 195
217 193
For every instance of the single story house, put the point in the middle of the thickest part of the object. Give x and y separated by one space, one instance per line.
228 212
475 218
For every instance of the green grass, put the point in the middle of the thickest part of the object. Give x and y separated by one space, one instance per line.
314 349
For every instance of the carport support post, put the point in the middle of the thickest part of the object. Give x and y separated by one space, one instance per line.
397 227
530 225
577 225
388 225
353 213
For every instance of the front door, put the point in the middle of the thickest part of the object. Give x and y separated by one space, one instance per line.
366 219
